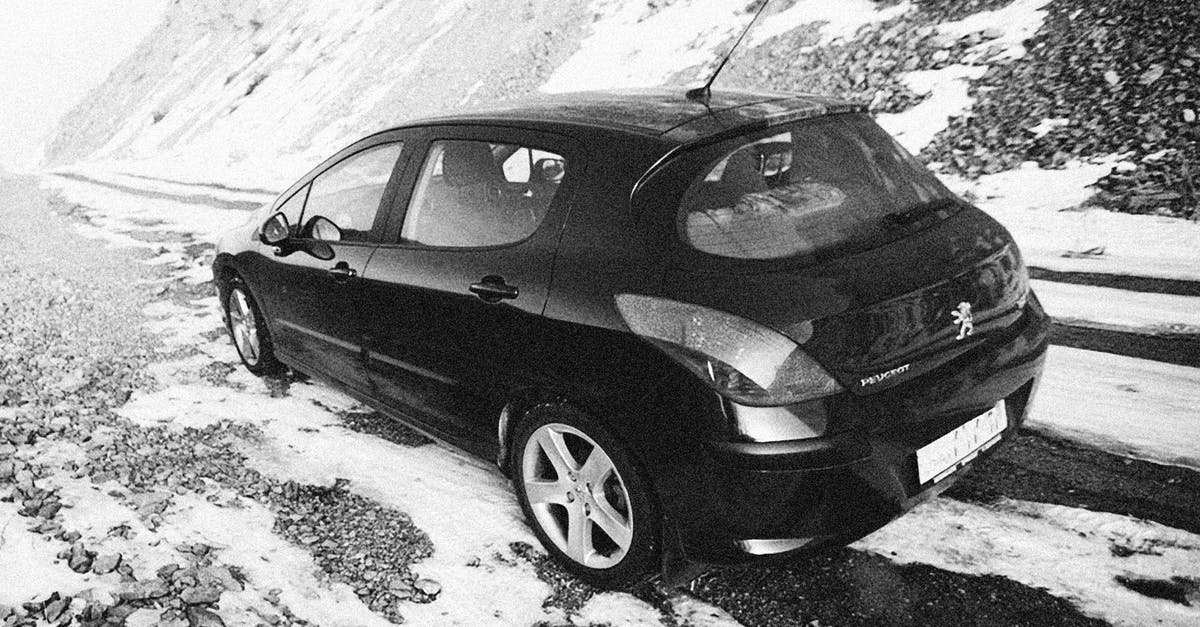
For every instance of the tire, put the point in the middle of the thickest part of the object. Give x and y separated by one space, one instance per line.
248 330
584 497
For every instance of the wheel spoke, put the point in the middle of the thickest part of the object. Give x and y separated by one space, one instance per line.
242 304
579 534
597 467
555 447
252 341
541 491
613 523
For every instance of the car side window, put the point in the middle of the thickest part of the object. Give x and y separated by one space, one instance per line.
349 193
477 193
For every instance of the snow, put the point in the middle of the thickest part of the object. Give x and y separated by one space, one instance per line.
1042 209
1121 405
120 213
1017 21
1123 310
462 503
689 610
947 89
1066 551
113 173
240 533
29 565
627 49
840 20
1049 124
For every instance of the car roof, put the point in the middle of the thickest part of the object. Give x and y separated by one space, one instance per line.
664 113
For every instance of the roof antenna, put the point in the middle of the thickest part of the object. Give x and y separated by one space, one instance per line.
702 94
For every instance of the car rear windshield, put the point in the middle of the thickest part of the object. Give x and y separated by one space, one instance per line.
797 190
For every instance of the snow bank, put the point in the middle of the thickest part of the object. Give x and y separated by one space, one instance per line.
1067 551
1104 307
1041 208
1122 405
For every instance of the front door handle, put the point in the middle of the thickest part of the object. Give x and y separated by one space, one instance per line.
493 289
342 272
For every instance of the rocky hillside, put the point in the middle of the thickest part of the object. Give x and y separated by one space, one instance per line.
238 90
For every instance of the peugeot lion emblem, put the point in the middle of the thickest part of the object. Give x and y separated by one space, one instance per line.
963 318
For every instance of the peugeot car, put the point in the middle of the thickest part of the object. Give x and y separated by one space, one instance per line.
693 331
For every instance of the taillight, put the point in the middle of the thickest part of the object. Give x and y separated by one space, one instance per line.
740 359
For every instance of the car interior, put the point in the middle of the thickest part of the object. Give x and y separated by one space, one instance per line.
466 198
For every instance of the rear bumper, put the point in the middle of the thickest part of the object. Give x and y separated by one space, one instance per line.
751 501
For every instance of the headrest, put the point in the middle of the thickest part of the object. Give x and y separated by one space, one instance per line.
467 162
741 173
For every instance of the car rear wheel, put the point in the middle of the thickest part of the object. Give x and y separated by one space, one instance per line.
584 497
249 331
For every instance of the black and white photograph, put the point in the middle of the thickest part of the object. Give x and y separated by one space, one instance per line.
607 313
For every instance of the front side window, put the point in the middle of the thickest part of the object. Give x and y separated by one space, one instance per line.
348 194
820 184
477 193
293 207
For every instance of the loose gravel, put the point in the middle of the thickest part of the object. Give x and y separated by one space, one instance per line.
1124 75
71 352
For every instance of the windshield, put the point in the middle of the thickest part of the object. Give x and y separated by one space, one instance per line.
818 184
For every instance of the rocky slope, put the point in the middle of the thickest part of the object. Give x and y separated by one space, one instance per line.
247 91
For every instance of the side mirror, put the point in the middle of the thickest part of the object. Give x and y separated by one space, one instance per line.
550 170
322 228
275 231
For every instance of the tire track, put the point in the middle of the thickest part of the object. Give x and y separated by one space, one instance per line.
1132 283
1178 349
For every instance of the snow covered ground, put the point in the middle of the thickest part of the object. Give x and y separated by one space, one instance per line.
1127 406
1122 310
1133 407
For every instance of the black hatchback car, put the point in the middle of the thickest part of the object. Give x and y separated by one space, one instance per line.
692 332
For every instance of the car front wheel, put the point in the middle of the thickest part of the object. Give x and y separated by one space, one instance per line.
584 497
249 331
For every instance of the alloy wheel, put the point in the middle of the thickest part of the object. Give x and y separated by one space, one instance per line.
243 326
577 495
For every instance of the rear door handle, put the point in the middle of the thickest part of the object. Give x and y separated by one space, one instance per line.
493 289
342 272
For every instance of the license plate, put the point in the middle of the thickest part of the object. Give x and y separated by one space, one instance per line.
944 455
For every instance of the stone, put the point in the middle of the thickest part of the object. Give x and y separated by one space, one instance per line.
201 594
49 510
140 590
201 617
80 559
428 587
54 609
105 564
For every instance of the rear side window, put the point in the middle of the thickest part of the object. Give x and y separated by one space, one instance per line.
803 189
477 193
349 192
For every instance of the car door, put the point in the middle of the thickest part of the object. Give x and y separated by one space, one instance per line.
317 301
456 297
